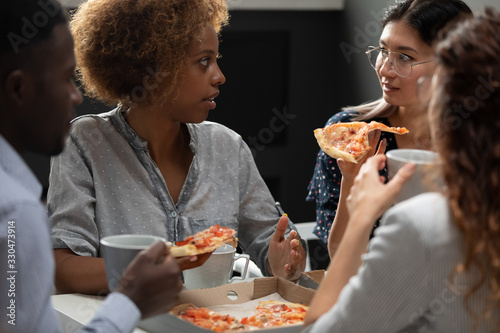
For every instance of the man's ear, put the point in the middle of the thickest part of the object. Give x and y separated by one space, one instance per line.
18 87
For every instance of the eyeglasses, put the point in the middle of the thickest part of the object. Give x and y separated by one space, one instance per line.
399 62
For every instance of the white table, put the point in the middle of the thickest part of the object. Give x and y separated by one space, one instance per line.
76 310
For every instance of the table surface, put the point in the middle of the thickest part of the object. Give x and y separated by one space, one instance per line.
76 310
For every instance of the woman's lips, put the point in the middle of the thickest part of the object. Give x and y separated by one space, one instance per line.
210 100
388 88
211 103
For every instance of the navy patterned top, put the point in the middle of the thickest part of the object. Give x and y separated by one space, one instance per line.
324 187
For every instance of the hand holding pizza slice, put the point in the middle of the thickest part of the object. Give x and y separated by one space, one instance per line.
350 140
204 241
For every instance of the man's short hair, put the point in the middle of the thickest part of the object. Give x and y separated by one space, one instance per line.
27 22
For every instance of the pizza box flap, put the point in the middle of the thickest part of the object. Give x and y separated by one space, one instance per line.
230 294
288 290
226 294
311 279
316 275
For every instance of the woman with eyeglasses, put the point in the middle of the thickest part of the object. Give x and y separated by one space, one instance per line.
404 55
435 269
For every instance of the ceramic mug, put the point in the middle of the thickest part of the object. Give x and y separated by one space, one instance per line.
217 270
118 251
426 175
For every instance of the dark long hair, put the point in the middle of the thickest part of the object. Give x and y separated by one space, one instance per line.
467 136
427 17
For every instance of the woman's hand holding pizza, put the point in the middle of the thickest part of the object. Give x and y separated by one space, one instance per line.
350 170
286 257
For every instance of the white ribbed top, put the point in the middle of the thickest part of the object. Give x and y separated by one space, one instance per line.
404 284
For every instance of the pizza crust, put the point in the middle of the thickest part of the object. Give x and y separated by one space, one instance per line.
290 305
178 309
332 151
183 251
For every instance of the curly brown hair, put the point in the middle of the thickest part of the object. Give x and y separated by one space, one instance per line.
125 49
467 136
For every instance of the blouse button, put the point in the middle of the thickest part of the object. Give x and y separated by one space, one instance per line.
174 214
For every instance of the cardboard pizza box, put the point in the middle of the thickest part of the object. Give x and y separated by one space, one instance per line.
236 293
311 279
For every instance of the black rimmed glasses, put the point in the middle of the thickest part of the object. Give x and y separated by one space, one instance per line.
399 62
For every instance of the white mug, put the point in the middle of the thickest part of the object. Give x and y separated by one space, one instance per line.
119 251
426 175
217 270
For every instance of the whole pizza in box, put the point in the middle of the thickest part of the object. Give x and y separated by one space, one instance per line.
267 314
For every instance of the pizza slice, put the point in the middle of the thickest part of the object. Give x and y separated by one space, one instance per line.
204 241
276 313
350 140
206 318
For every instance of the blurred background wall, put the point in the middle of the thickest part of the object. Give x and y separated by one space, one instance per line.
287 72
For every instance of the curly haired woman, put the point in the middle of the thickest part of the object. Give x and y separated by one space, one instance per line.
154 165
435 269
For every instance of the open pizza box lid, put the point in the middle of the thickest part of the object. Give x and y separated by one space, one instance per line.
311 279
236 293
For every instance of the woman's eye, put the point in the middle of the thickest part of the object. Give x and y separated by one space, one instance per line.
404 57
204 61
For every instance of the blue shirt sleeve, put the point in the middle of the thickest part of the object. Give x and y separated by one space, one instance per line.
117 314
27 266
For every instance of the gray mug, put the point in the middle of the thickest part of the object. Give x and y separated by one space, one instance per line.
217 270
119 251
426 176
